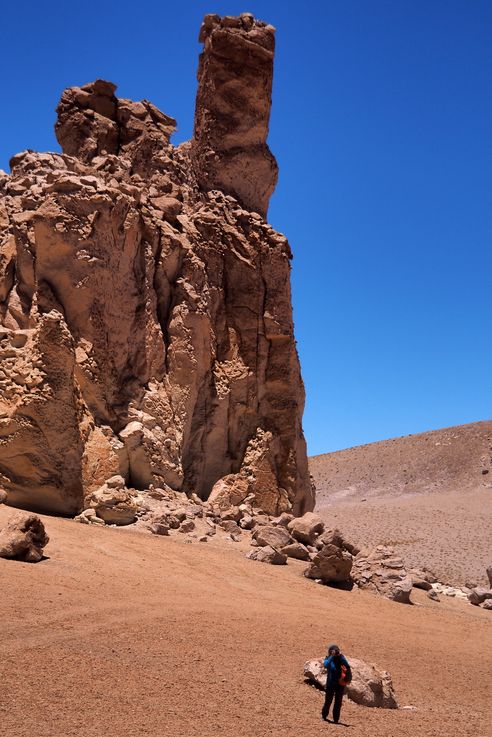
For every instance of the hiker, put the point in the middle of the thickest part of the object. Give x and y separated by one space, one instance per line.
338 675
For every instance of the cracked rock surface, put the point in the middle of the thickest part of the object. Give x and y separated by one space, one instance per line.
145 311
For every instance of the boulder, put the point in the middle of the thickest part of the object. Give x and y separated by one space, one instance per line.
276 537
305 529
247 522
283 519
231 527
369 687
487 604
114 503
23 537
3 496
89 517
187 526
233 513
331 564
296 550
420 583
382 572
421 577
267 555
489 575
479 594
159 528
229 491
335 537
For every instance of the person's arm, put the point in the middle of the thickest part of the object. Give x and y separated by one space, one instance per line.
327 661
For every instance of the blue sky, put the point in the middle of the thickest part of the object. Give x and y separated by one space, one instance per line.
381 124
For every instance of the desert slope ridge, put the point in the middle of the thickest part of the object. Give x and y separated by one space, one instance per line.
123 634
429 495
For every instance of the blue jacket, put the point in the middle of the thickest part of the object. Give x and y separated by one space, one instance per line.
334 671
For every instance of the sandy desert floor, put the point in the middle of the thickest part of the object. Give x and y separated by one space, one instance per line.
448 533
120 634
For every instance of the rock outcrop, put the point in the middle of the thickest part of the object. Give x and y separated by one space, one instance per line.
145 313
23 537
369 687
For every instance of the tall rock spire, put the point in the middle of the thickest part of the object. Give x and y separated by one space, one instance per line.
232 114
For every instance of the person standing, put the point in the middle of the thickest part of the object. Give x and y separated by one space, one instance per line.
338 675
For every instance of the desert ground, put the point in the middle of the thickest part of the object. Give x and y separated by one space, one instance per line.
428 495
118 633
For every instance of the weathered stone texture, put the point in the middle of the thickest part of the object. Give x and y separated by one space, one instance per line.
229 149
145 314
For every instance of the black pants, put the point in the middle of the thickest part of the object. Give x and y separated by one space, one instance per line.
336 691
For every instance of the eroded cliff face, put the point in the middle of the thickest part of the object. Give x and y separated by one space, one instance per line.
145 312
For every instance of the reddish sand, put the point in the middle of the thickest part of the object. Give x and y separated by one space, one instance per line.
120 634
428 495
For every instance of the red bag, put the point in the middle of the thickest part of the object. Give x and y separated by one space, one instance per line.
343 680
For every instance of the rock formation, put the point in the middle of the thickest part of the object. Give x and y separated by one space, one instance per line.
381 571
145 313
229 148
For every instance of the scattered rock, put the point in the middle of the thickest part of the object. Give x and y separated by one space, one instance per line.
420 583
296 550
267 555
276 537
478 595
305 529
89 517
433 594
283 520
382 572
246 522
335 537
331 565
114 504
187 526
159 528
369 687
230 526
23 537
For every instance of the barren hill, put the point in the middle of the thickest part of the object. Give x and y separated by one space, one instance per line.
429 494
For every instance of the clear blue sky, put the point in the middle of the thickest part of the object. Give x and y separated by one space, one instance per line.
382 126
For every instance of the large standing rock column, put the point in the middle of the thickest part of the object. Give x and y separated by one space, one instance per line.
146 325
233 110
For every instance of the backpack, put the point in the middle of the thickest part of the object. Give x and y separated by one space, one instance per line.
344 679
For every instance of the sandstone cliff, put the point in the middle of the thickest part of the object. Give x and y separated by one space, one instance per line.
145 312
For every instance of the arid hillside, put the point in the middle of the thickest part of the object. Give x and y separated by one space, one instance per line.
122 634
429 495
